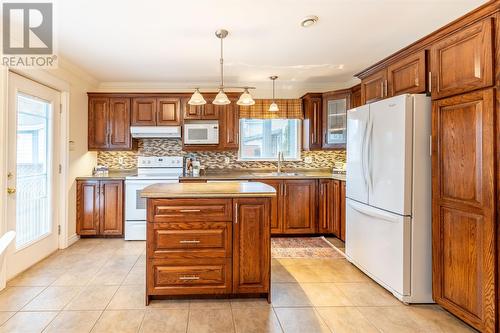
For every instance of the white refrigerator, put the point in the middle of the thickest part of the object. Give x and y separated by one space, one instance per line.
388 195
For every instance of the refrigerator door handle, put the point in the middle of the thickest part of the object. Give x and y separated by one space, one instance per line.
371 212
363 155
366 154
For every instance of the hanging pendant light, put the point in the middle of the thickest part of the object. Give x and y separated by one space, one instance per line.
273 107
221 98
197 98
245 99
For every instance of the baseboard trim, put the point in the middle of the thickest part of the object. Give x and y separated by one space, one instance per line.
73 239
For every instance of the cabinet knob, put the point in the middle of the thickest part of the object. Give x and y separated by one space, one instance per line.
11 190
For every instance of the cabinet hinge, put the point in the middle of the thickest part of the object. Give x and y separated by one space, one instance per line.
58 229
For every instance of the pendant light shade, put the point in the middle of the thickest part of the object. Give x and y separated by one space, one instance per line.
221 98
273 107
197 98
245 99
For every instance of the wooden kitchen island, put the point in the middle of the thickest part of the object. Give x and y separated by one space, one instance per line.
208 240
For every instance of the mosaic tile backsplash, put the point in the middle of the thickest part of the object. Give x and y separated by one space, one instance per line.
210 159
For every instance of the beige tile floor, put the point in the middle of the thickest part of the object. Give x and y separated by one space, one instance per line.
97 285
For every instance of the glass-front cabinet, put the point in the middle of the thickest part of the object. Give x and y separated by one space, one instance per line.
335 119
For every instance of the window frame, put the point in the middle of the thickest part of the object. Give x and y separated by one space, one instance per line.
271 159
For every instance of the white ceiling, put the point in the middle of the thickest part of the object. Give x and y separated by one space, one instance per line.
172 43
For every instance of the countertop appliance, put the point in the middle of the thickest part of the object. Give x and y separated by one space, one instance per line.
204 132
165 132
150 170
388 196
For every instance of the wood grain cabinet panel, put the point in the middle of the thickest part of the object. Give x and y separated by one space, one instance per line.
463 61
464 227
299 206
342 209
230 126
312 124
111 207
144 111
407 76
252 248
329 207
356 96
189 210
98 123
373 87
168 111
87 207
119 123
276 211
190 240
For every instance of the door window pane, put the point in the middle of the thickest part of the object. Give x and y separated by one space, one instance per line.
32 174
264 138
337 110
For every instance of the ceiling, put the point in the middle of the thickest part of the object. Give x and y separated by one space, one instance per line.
172 43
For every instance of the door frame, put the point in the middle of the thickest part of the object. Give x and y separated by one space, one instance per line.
44 78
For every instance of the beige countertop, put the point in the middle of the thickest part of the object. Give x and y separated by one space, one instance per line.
112 175
233 189
243 174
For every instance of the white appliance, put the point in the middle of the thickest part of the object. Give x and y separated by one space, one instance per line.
155 131
150 170
388 205
201 132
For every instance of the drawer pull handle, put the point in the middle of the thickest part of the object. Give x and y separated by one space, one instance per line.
189 241
190 210
189 277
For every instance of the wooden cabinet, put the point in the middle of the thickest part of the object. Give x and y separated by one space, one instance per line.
373 87
312 124
109 123
252 248
99 207
207 111
276 205
226 250
463 223
156 111
329 208
356 96
335 106
342 209
407 76
463 61
299 206
229 125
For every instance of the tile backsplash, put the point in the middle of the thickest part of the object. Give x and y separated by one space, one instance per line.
210 159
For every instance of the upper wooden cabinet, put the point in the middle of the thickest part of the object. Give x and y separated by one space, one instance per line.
356 96
407 76
156 111
207 111
463 61
373 87
312 124
335 106
229 135
109 123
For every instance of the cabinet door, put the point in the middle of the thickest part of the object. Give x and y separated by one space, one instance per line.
463 207
144 111
325 218
335 108
356 96
98 123
168 112
373 87
230 126
193 112
463 61
87 207
276 204
312 139
111 208
299 206
407 76
210 111
119 123
335 204
342 210
251 245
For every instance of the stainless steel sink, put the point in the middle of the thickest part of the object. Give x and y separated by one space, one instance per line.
275 174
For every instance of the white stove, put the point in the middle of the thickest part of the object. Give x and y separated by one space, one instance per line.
150 170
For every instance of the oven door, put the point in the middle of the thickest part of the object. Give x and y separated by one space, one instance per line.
135 206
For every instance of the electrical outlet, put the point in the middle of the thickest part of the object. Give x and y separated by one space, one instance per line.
227 160
308 159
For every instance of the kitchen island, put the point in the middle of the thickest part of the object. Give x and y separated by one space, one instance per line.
208 240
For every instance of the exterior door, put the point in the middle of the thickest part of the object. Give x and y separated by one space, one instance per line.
357 164
33 178
463 207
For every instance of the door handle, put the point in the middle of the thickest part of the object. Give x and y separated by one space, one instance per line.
189 241
11 190
189 277
190 210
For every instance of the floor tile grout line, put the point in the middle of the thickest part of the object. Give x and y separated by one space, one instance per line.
277 318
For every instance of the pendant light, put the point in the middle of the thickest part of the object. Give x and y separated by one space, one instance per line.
221 97
273 107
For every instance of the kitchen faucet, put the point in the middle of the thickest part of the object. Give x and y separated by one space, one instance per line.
281 159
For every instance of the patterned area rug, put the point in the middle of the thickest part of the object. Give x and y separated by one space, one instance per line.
303 247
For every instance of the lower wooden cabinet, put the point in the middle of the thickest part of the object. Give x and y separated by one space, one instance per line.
329 207
231 257
342 210
299 206
99 207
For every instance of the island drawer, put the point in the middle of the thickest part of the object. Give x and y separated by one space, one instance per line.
189 240
189 276
189 210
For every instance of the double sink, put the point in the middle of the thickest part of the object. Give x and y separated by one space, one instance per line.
276 174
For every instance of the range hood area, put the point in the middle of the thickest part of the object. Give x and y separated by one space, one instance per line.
167 132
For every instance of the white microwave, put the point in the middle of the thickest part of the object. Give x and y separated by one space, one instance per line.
201 133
